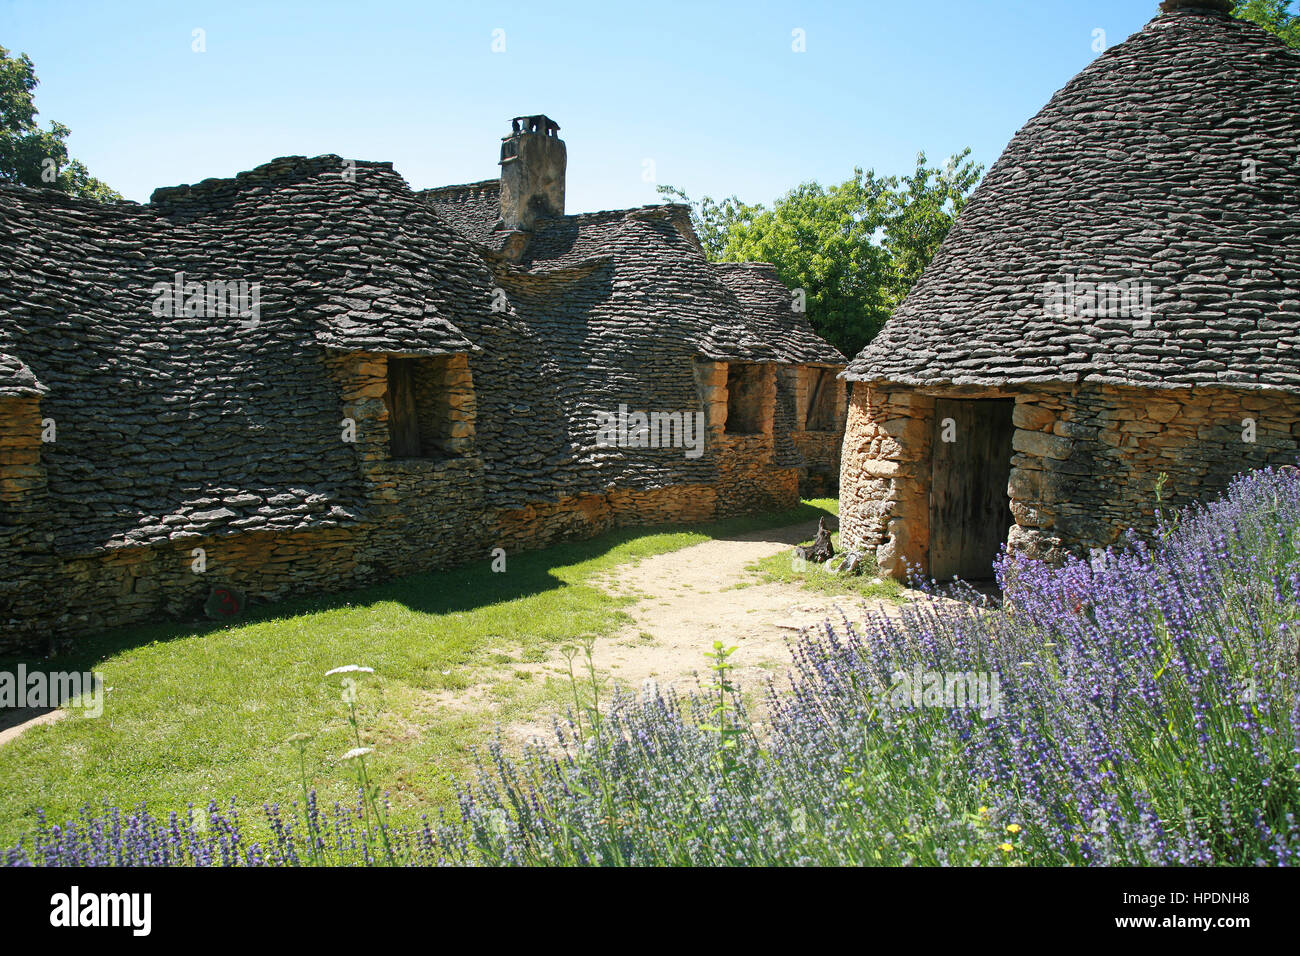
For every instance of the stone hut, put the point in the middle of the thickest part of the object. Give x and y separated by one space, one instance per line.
1119 300
310 377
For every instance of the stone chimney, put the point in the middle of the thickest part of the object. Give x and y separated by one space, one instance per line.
532 171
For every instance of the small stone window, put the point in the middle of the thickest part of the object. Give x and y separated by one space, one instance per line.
821 409
746 388
430 407
25 438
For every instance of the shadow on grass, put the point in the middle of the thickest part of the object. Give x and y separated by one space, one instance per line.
448 591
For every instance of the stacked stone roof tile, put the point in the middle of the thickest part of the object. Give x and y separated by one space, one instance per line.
172 426
1173 159
176 426
606 310
762 294
16 379
609 308
473 208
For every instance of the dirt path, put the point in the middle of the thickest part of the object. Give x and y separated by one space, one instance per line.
16 722
688 600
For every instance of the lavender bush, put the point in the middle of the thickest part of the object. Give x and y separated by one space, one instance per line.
304 835
1147 711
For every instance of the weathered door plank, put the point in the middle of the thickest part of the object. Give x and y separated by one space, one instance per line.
969 509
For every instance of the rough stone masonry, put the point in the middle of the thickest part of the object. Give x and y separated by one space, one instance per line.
422 379
1169 170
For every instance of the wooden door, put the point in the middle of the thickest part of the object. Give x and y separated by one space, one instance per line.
970 512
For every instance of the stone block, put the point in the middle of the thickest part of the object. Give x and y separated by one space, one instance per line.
1031 417
1042 445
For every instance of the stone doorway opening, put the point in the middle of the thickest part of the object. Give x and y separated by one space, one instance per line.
970 511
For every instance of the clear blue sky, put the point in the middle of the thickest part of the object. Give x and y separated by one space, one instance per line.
712 93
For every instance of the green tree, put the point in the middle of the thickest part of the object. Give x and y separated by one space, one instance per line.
855 248
924 209
1274 16
713 221
29 155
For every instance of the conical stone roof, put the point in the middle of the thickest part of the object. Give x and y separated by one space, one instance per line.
1167 173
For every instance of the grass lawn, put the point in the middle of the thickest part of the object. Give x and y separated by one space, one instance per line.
202 711
870 584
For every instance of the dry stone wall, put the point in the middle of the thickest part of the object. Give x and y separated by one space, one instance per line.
419 514
885 479
129 585
818 447
186 423
1085 463
26 543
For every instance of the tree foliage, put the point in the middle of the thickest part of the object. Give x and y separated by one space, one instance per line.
1274 16
855 248
29 155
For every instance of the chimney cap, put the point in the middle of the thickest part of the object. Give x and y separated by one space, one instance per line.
537 123
1223 7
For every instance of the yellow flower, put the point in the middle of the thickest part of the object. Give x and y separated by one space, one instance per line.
1005 847
1013 828
984 811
